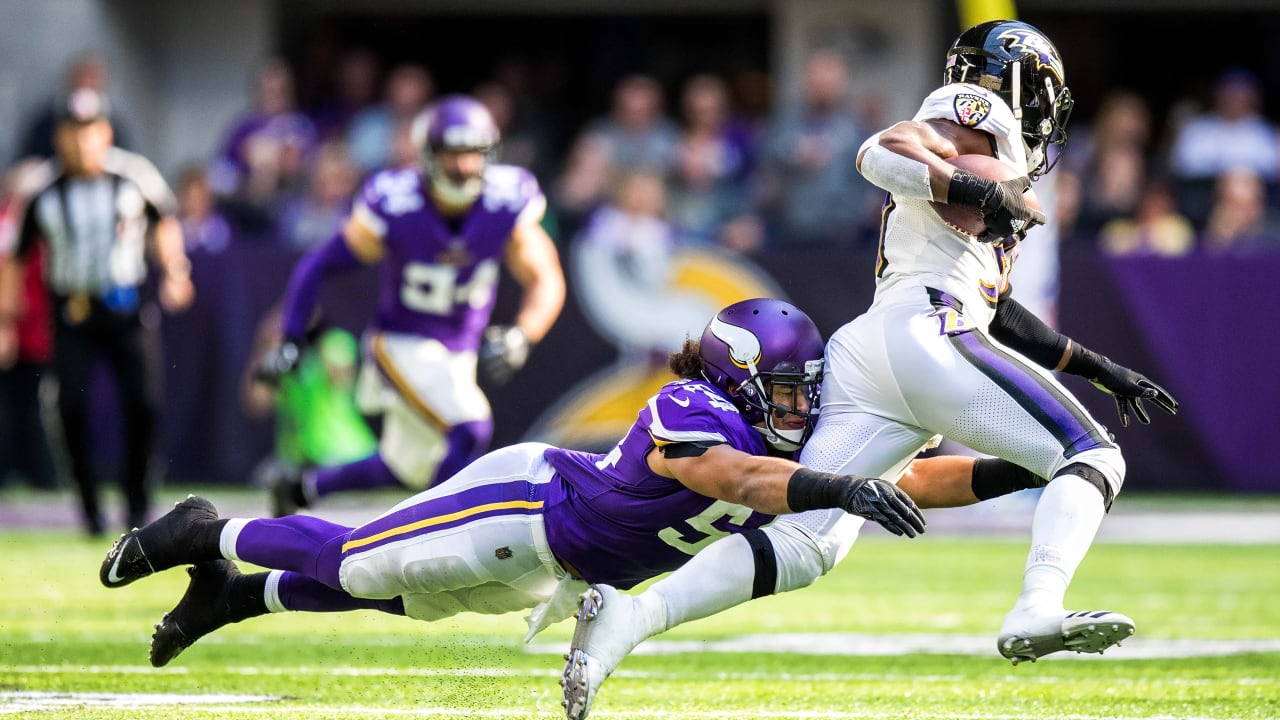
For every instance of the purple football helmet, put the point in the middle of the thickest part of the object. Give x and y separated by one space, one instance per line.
756 350
455 123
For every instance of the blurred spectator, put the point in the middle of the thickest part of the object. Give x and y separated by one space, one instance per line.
1232 135
356 88
1156 227
622 275
97 217
809 181
317 214
204 230
635 136
89 71
1107 163
525 141
536 126
1239 220
371 137
24 445
262 155
637 133
708 165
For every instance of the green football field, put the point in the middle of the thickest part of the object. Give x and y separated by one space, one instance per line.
902 629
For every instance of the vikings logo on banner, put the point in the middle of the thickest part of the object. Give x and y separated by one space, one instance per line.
971 109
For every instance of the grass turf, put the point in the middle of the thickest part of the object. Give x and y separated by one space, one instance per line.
62 635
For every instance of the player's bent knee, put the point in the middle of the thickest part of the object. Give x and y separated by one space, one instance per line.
1104 468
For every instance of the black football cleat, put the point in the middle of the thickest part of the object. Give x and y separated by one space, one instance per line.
162 544
205 607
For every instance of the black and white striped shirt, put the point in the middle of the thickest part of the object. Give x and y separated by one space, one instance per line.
96 228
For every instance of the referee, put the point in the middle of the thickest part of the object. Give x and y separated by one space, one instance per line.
103 214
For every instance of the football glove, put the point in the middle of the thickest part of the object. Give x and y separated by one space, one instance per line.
278 362
883 502
1129 389
1005 211
503 351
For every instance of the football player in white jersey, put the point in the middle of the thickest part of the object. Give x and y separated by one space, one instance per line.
943 351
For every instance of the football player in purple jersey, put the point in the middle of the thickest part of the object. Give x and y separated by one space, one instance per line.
439 233
530 525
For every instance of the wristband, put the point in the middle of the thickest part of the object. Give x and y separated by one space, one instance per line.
812 490
1084 362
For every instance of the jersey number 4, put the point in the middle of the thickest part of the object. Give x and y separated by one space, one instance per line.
700 529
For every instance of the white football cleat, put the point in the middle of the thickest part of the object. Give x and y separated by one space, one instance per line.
609 626
1026 636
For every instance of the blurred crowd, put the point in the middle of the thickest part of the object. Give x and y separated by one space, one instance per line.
713 161
723 165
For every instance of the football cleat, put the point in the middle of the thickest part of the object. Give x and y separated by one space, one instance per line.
203 609
287 495
1026 638
609 625
157 546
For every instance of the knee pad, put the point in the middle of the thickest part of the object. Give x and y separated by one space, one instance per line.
1102 467
807 545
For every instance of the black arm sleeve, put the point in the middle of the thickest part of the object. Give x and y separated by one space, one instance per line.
1019 329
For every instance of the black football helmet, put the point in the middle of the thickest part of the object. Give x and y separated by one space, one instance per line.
1017 62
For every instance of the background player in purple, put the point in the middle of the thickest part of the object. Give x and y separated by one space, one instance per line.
439 233
529 525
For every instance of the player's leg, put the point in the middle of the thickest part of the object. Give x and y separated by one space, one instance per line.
435 421
130 351
475 542
72 366
219 595
192 532
998 402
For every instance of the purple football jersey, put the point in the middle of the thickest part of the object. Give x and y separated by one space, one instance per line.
440 274
617 522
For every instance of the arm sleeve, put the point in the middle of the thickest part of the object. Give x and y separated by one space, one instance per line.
331 258
1019 329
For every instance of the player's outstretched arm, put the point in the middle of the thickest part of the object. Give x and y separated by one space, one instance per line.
777 486
1019 329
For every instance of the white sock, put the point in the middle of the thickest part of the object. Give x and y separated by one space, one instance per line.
1066 520
228 537
716 579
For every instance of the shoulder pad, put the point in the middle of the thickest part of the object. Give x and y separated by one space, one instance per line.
971 106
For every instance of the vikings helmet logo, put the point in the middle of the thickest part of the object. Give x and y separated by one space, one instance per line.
744 346
1037 45
971 109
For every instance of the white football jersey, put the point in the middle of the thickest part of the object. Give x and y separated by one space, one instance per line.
918 249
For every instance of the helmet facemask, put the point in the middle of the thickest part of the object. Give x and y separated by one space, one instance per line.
787 390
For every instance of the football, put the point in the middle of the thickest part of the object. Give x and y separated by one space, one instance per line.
967 219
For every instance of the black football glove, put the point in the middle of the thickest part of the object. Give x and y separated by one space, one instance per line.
1129 389
1005 211
882 501
278 362
503 351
